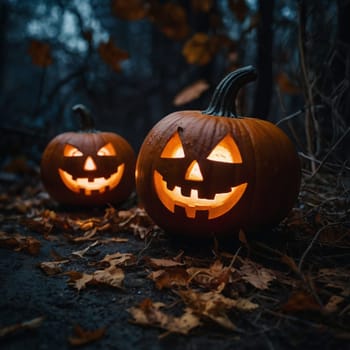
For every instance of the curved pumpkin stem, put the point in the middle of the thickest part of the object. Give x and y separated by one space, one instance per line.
223 102
87 123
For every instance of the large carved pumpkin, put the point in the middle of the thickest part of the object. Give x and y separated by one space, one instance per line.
211 172
88 167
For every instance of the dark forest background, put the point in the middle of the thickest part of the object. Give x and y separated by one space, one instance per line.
132 62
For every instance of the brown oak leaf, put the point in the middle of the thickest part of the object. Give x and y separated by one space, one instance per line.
257 275
148 313
112 276
215 306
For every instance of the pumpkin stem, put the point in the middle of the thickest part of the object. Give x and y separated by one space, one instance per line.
86 121
223 102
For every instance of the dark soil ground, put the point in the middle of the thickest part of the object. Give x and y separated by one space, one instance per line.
297 277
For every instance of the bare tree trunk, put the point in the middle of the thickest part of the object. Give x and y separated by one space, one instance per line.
4 11
263 92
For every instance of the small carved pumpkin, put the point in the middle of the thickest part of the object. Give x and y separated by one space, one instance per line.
211 172
88 167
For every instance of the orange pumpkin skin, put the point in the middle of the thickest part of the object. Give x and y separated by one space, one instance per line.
265 173
76 168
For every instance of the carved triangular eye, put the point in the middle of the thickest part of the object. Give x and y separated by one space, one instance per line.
71 151
106 150
173 148
226 151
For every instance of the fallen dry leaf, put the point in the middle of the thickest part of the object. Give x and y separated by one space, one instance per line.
212 306
135 220
149 314
157 263
52 267
215 306
118 259
257 275
18 242
79 280
111 276
170 278
191 92
32 324
82 336
213 277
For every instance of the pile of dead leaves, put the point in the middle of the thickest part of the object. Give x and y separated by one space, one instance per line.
301 274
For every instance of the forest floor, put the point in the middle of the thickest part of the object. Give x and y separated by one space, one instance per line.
111 279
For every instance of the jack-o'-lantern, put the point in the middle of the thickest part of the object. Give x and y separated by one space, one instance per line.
88 167
212 172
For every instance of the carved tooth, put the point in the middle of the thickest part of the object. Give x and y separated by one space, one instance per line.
102 189
91 179
190 212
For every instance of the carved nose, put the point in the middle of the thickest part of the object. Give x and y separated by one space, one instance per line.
193 172
89 164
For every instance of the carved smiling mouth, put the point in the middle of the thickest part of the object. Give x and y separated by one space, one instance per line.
86 185
219 205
